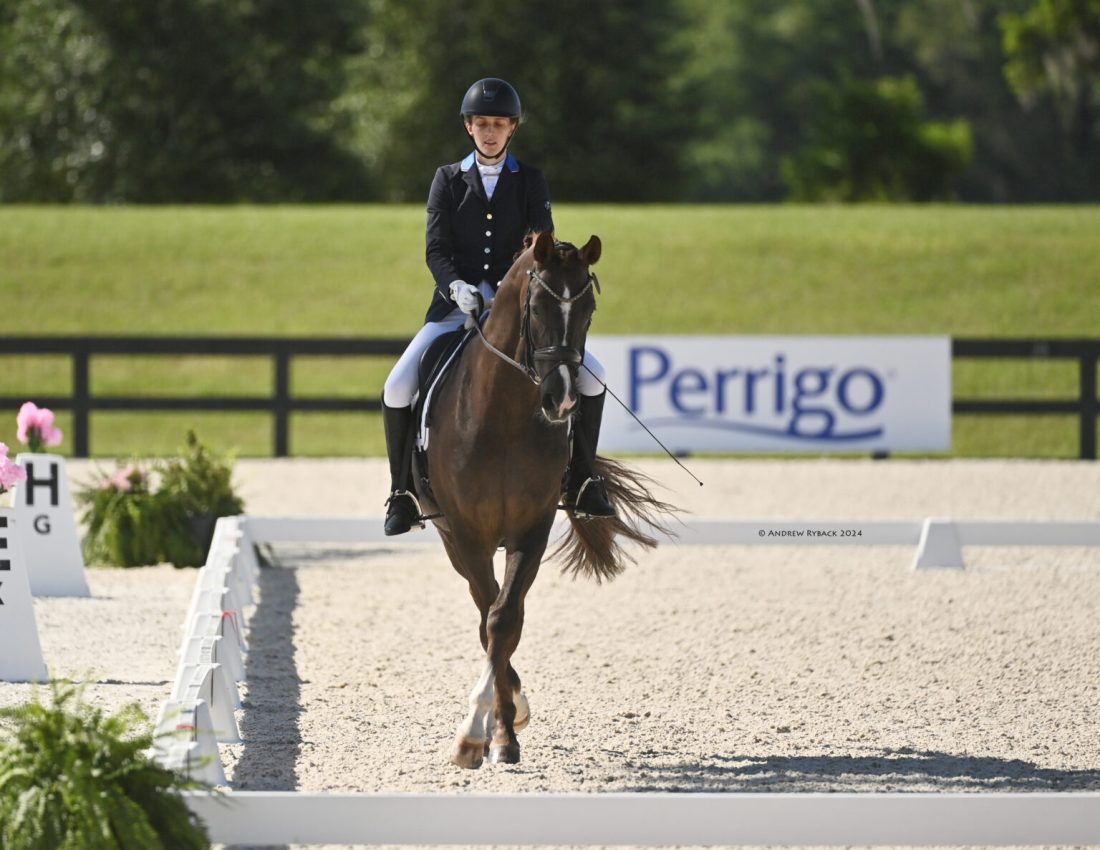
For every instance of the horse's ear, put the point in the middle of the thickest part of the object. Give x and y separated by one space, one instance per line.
544 248
590 253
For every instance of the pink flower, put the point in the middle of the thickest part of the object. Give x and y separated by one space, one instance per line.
11 473
36 428
125 480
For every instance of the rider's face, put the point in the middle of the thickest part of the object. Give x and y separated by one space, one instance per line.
490 133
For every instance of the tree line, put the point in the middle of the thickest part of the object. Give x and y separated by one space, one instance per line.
188 101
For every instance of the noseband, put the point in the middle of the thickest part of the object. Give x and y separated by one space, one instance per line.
562 354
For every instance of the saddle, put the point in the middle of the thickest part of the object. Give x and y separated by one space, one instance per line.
435 368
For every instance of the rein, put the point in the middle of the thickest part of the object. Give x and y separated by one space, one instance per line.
561 353
553 353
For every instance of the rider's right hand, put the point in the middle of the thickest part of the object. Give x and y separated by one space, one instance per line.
465 296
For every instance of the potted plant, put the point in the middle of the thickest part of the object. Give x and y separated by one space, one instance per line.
130 522
197 485
72 778
126 521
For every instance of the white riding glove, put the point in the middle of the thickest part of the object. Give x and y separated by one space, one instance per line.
465 296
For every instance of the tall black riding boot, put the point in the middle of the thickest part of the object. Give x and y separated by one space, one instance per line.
402 509
585 495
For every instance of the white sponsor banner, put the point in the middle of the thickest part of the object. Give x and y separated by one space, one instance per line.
777 394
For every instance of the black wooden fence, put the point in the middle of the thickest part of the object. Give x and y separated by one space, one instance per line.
1085 405
282 350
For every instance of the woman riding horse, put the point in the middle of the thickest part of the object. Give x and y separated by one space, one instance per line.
500 442
479 210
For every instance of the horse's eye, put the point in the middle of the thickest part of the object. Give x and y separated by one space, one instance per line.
535 311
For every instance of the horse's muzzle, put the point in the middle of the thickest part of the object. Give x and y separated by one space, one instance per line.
558 411
558 396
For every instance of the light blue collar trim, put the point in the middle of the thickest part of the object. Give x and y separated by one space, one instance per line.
509 160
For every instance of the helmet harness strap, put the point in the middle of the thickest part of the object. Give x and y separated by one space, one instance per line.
503 151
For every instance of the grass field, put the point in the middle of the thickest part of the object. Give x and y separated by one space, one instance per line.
359 271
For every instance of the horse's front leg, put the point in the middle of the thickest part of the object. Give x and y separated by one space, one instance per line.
505 625
472 737
476 566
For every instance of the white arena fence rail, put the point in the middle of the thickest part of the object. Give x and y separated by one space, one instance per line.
213 658
938 541
653 819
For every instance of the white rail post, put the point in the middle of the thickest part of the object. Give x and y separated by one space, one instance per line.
185 741
938 546
210 683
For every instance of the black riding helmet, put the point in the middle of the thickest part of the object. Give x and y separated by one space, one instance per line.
492 96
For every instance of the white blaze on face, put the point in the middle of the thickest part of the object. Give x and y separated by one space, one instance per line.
569 396
568 399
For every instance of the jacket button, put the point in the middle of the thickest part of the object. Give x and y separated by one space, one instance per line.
488 233
486 250
486 267
489 216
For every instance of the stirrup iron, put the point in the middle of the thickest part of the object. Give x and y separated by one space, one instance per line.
418 519
582 514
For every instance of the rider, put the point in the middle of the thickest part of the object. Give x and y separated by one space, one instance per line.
479 210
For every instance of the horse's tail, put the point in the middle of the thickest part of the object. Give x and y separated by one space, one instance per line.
594 547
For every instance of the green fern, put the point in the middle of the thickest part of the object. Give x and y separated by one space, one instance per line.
73 778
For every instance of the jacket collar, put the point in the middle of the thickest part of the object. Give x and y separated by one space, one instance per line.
510 161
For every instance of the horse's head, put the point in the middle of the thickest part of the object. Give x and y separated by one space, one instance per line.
559 300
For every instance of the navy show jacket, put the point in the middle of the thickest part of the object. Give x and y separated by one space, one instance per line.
474 239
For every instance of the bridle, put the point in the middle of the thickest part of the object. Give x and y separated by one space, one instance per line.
562 354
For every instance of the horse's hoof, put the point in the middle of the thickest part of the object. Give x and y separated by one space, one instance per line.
504 754
467 753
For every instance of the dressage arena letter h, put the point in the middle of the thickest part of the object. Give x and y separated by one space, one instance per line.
44 510
52 482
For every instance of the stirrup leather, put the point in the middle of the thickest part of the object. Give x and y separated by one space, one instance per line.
397 494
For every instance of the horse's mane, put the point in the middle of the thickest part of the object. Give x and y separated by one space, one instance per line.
529 242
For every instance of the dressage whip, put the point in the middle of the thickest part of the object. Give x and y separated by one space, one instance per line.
640 422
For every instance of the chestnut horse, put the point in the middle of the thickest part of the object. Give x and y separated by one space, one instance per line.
498 452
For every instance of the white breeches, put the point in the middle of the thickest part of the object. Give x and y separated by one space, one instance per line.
401 385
